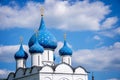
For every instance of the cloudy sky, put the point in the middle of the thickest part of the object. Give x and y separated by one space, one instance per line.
92 28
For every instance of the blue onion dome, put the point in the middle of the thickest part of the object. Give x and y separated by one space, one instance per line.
21 54
65 50
45 38
36 48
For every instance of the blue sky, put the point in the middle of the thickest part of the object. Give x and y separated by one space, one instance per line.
92 28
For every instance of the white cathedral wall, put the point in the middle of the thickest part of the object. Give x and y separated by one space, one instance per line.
46 69
40 59
80 77
66 59
80 70
62 77
36 59
20 63
47 57
44 56
63 68
44 76
62 72
50 76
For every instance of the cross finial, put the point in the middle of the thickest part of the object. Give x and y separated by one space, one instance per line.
42 10
64 36
21 39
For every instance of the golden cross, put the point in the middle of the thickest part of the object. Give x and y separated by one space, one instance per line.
42 10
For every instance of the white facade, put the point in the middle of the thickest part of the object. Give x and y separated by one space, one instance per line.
48 57
36 59
20 63
62 71
66 59
44 68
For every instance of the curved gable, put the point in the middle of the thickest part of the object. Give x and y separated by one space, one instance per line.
47 69
63 68
19 72
10 76
27 71
80 70
35 69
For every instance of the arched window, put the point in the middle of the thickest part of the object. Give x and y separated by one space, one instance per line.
79 79
63 79
47 78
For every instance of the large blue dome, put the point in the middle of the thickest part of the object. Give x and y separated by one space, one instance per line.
21 54
45 38
36 48
65 50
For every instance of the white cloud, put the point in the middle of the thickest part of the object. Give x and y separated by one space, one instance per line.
96 37
59 46
4 73
7 52
110 33
17 17
113 79
104 58
116 45
81 15
117 31
109 23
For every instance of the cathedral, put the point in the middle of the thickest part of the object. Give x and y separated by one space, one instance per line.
42 45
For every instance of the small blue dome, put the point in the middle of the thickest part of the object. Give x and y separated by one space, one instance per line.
21 53
45 38
36 48
65 50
